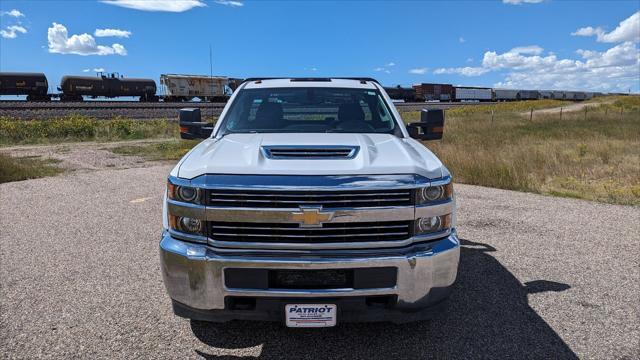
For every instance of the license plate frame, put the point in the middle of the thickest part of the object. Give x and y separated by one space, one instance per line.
311 315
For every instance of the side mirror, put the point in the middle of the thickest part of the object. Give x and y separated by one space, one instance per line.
430 126
191 126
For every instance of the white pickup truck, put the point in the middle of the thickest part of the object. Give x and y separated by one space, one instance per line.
311 203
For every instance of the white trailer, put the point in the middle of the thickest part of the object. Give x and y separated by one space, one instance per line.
473 94
177 87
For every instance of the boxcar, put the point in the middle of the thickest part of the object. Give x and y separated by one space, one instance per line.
34 85
178 87
505 95
400 93
558 95
472 93
110 86
545 94
579 95
431 92
529 95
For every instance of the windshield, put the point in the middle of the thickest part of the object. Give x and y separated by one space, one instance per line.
309 110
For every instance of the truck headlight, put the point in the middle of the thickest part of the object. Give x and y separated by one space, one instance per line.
434 193
183 193
433 224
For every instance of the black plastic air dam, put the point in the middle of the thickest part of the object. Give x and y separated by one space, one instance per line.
358 278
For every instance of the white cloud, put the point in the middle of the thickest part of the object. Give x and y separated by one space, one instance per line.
94 70
627 30
59 42
14 13
112 33
616 69
158 5
231 3
385 68
461 40
419 71
465 71
11 32
518 2
531 50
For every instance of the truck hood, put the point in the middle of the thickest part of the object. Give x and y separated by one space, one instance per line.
242 154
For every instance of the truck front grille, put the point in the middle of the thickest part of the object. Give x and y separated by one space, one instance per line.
295 199
293 233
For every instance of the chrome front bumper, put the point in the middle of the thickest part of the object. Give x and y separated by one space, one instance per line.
194 273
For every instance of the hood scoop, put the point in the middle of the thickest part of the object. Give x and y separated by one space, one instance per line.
288 152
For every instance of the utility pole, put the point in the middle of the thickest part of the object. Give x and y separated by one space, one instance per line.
211 70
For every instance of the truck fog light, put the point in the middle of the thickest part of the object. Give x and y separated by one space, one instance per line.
429 224
190 225
433 224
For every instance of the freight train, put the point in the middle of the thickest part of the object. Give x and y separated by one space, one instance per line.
449 93
175 87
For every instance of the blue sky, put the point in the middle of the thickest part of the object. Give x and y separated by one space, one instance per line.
590 45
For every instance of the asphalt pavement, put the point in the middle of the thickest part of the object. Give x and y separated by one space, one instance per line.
540 277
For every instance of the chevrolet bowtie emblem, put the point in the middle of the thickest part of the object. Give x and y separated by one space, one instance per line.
311 216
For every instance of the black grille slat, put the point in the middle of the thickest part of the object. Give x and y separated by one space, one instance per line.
294 233
293 199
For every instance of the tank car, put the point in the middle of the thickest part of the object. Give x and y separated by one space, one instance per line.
34 85
110 86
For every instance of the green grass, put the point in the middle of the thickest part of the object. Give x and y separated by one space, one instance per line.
595 159
169 150
82 128
23 168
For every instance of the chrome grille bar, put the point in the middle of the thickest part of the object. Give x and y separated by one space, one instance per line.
293 199
293 233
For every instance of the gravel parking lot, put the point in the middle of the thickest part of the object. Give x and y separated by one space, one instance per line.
540 277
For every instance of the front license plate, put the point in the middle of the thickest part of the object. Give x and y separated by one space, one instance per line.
310 315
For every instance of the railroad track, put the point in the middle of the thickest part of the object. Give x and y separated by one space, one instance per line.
18 105
141 110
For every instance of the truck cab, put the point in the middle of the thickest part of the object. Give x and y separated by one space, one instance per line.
310 203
